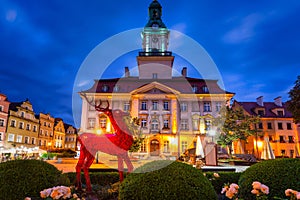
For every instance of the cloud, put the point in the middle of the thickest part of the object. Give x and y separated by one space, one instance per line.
244 31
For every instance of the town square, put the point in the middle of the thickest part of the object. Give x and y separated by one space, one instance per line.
150 100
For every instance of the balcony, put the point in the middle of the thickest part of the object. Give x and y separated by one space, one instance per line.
156 53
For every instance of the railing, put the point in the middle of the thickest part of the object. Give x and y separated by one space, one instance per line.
165 53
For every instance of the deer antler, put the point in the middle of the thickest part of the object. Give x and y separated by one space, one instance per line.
96 105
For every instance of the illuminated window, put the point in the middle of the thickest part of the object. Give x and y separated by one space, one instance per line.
91 123
103 122
11 137
207 125
166 123
144 123
19 138
184 124
166 146
126 106
184 145
143 146
154 125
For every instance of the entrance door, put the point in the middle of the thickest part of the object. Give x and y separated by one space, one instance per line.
154 148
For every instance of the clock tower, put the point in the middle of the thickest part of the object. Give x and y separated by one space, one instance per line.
155 61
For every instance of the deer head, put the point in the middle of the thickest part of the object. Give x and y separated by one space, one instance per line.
97 104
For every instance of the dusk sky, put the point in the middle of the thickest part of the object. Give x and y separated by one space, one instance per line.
254 44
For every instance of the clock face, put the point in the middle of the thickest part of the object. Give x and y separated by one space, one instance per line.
155 39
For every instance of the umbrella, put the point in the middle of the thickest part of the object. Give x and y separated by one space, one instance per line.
199 148
267 152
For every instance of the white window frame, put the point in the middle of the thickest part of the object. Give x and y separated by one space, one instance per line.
11 137
2 122
19 138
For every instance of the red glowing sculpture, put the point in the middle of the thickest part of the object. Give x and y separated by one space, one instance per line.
117 144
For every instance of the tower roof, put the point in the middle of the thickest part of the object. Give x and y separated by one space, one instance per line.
155 13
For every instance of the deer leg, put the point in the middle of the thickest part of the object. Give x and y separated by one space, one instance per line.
128 163
120 168
89 161
78 168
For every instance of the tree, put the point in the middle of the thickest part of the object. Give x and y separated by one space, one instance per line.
234 125
293 105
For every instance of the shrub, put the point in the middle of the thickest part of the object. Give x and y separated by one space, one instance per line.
170 180
278 175
224 178
97 178
26 178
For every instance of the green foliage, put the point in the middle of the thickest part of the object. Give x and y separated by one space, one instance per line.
234 125
278 175
26 178
169 180
133 125
294 102
97 178
48 155
224 177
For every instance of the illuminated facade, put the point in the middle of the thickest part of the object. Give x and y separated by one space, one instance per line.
172 109
45 131
70 139
59 134
276 124
22 127
4 106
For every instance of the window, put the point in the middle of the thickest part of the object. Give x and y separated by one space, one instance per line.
196 124
144 123
103 122
26 140
183 107
41 132
22 114
144 105
166 105
46 133
282 152
166 124
45 124
154 105
280 126
13 123
166 146
195 106
21 125
1 135
154 125
105 88
116 88
184 145
11 137
40 142
218 106
269 125
194 88
261 112
1 122
126 106
205 89
184 124
207 125
34 129
281 139
206 107
291 139
143 146
32 140
154 76
19 138
280 113
1 108
289 126
28 127
260 125
91 123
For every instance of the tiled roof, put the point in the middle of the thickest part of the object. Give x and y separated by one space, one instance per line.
181 84
269 108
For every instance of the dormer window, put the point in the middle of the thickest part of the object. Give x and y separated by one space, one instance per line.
105 88
280 113
116 88
261 112
194 88
205 89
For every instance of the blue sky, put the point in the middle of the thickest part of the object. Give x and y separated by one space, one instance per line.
255 44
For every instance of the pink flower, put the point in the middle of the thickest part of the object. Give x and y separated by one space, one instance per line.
288 192
298 195
256 185
229 194
254 191
216 175
224 189
27 198
236 186
45 193
264 189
